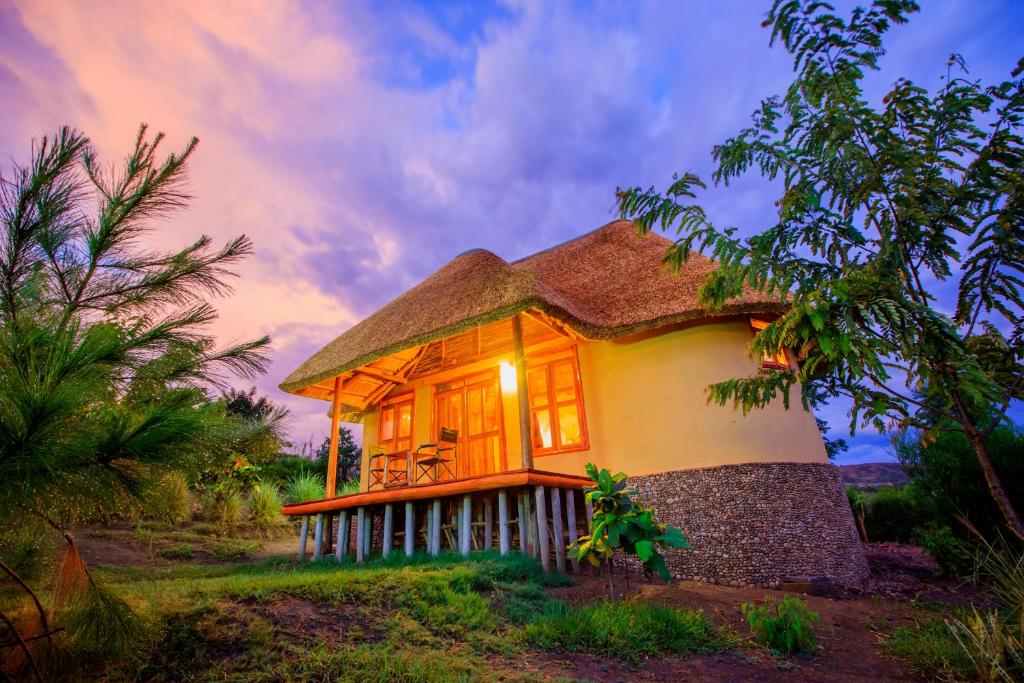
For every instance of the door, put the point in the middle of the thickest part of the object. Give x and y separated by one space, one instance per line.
472 406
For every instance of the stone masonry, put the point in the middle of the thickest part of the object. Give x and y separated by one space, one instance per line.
755 524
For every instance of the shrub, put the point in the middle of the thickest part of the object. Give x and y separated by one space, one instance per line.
950 553
783 626
945 467
895 513
167 499
626 630
265 506
285 468
306 486
179 551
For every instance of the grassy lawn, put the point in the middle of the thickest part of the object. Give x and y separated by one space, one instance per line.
422 619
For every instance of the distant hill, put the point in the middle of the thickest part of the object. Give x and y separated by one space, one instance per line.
873 474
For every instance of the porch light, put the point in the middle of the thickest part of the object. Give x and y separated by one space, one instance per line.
508 377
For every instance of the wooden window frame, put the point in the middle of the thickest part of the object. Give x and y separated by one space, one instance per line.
406 397
546 361
771 362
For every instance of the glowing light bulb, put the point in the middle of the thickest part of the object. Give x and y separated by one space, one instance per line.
507 372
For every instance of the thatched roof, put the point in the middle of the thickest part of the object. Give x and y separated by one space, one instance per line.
605 284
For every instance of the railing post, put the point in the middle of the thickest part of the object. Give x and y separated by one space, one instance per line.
302 537
342 541
559 528
503 536
360 534
542 528
389 527
318 537
570 513
410 529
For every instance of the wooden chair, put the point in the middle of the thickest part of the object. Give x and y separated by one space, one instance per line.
434 459
378 468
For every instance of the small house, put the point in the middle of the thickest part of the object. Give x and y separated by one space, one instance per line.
484 390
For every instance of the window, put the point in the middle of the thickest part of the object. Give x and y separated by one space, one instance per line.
394 432
556 404
770 361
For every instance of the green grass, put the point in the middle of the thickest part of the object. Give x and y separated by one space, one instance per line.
178 551
626 630
232 549
390 619
930 649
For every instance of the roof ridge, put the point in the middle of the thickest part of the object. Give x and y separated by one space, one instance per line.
569 241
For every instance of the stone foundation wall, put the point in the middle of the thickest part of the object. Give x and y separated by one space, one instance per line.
755 524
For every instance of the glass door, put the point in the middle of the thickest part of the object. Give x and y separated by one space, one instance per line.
472 406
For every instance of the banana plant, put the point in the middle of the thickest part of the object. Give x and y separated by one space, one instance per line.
621 523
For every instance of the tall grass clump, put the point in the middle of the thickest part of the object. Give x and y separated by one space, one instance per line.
626 630
265 505
224 508
305 486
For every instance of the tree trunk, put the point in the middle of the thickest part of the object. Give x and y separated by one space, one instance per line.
859 516
995 487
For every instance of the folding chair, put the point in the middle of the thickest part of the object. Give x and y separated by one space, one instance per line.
434 459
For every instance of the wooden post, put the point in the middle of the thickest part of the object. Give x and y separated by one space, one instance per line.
369 535
531 527
465 525
590 516
488 524
328 534
360 534
410 529
559 526
519 359
318 537
570 513
332 453
503 535
524 547
342 542
389 528
302 537
435 529
542 528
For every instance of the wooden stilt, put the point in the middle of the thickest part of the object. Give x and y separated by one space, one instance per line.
590 516
504 543
542 528
531 526
570 514
368 537
389 528
360 534
410 529
524 542
303 533
318 537
465 522
342 542
435 530
488 524
559 528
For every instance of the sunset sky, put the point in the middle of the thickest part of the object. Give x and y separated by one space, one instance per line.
363 144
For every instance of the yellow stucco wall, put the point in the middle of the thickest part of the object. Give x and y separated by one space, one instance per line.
646 409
